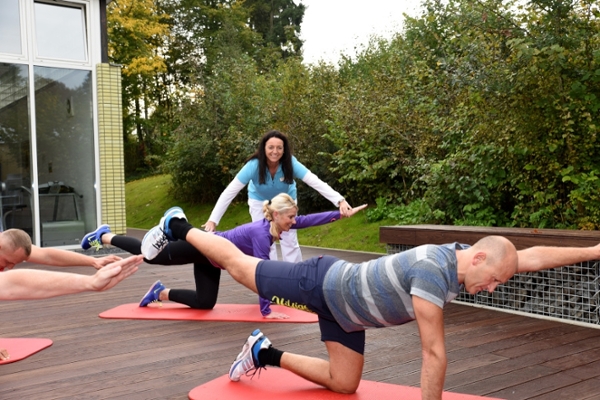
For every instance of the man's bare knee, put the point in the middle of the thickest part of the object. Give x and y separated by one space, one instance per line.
343 387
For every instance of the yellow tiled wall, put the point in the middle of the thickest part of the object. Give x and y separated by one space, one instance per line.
112 171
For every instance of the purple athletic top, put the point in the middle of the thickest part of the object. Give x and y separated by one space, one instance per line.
254 239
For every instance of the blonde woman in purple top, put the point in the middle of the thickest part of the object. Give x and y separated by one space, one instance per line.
254 239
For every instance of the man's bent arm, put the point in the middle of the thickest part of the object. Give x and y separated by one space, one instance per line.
545 257
430 319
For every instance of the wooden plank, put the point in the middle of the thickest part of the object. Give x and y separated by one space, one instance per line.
581 391
415 235
535 387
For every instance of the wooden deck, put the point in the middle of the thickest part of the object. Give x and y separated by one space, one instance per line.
490 353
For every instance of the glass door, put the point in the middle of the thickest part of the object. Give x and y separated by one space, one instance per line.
65 154
16 205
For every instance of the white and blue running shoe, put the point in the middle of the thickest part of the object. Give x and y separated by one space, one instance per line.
247 360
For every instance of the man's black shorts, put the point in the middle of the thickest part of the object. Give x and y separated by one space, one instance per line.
300 285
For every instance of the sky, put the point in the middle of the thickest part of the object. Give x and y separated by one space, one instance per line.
334 26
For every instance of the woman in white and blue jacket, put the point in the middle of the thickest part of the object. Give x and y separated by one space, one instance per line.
269 171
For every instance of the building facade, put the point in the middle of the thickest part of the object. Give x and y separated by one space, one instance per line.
61 140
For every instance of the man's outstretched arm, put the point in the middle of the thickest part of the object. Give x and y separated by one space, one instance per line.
29 284
65 258
545 257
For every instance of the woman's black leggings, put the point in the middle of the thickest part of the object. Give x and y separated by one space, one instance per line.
180 252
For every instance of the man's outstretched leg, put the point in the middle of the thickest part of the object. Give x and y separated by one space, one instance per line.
174 226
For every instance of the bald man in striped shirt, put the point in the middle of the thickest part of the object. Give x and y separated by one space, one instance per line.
349 297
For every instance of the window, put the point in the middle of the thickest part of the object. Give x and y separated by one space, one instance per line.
60 32
10 27
16 207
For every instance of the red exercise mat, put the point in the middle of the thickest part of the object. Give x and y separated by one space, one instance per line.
276 383
20 348
221 312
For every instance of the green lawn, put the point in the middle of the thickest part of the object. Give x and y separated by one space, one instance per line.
148 198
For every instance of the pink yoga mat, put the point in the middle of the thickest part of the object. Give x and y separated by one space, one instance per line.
20 348
275 383
221 312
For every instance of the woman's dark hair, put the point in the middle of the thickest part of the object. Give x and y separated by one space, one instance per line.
285 161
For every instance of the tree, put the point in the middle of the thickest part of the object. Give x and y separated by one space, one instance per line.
278 22
137 33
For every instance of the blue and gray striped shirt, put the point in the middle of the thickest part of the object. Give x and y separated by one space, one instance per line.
379 292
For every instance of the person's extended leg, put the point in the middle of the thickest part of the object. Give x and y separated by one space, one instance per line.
176 253
127 243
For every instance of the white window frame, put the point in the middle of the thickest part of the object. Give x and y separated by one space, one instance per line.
11 57
86 15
